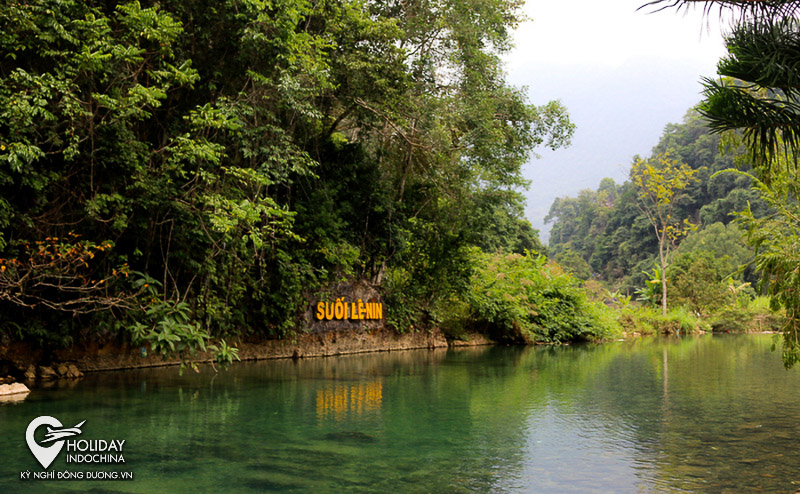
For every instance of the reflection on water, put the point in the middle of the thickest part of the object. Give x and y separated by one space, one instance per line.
338 400
15 398
694 414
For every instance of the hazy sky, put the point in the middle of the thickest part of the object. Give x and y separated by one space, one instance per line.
623 76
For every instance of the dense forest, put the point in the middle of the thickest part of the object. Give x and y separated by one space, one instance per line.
180 176
183 174
608 237
603 234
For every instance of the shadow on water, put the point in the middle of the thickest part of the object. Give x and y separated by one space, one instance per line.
349 436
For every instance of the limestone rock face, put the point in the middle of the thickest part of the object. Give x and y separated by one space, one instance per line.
62 370
349 293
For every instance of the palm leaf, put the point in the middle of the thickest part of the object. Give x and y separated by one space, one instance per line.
741 8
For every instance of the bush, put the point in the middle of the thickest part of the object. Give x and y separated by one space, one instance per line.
754 315
638 319
697 280
681 319
649 320
523 298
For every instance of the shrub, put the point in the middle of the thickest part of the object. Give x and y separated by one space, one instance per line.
754 315
517 297
649 320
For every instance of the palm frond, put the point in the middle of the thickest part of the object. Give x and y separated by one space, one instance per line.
765 53
769 123
739 8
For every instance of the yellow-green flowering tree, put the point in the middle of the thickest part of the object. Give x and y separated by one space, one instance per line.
658 181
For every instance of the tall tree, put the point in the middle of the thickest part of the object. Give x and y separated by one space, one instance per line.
234 159
761 97
658 181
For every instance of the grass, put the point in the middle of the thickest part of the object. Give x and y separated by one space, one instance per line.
649 320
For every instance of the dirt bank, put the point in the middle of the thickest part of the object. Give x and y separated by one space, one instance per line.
91 356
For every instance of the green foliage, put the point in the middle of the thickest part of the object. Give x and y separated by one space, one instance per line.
639 319
457 320
246 154
574 263
681 319
697 280
711 270
731 320
647 320
168 329
524 298
435 265
607 230
758 98
750 315
776 238
170 332
727 244
224 353
657 182
758 94
134 147
650 292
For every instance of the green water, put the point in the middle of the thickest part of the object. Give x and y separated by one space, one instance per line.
699 414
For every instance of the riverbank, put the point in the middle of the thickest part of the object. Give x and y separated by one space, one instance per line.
27 362
22 361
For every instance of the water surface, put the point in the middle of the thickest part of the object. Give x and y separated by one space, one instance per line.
698 414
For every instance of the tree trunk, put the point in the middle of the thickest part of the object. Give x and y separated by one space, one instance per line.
663 260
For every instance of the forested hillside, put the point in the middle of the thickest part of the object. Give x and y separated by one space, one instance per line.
186 172
604 234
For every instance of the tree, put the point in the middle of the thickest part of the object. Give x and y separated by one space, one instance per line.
761 97
610 233
658 182
572 262
728 245
235 159
776 238
697 279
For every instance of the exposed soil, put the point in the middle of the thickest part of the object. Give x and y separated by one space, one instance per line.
93 355
471 339
320 336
